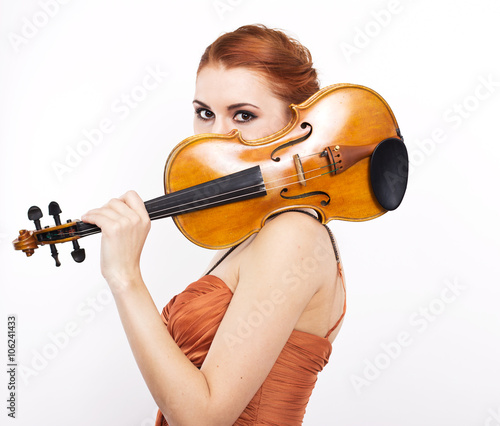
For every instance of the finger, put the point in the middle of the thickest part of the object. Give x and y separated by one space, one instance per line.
118 208
113 211
100 217
134 201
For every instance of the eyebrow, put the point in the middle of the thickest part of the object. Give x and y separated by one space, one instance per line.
230 107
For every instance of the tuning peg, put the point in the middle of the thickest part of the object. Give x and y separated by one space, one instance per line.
55 211
35 214
55 253
78 253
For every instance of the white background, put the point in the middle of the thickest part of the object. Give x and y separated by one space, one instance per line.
61 75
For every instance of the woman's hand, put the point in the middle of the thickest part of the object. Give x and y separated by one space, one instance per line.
125 224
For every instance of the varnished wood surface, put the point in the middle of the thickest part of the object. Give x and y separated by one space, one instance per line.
342 114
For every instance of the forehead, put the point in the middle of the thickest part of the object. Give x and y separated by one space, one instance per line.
216 84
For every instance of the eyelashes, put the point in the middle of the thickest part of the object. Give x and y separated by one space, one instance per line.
204 114
242 116
246 116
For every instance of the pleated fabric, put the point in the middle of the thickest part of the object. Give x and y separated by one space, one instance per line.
192 318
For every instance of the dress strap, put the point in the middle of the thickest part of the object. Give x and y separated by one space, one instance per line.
337 258
330 233
222 258
345 303
274 215
339 269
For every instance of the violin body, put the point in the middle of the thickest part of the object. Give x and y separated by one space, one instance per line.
341 154
342 115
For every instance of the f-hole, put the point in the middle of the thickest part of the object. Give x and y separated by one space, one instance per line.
304 125
324 203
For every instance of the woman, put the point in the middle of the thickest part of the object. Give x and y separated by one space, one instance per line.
244 343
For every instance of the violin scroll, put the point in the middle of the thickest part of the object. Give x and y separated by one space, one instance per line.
28 241
220 189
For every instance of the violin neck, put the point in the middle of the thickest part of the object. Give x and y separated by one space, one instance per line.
238 186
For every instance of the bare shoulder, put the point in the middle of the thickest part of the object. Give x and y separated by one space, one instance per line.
295 231
296 242
280 272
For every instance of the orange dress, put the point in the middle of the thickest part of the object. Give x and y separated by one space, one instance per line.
192 318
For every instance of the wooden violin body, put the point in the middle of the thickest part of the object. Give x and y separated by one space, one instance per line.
344 120
341 154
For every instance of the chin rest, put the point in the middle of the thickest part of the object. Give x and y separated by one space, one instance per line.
389 172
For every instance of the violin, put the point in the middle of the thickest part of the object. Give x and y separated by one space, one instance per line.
342 154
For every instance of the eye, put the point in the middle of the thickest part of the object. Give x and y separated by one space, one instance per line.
244 116
204 114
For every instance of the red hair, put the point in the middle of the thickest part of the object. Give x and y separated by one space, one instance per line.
286 64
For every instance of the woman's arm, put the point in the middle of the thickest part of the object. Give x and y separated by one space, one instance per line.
278 276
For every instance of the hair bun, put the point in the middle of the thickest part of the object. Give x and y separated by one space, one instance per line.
283 60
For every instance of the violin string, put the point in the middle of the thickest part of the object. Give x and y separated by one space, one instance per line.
268 188
188 190
166 212
173 195
255 192
235 198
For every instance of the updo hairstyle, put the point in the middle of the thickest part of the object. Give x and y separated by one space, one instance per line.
285 64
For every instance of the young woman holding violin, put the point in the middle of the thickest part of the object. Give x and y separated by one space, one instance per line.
243 344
